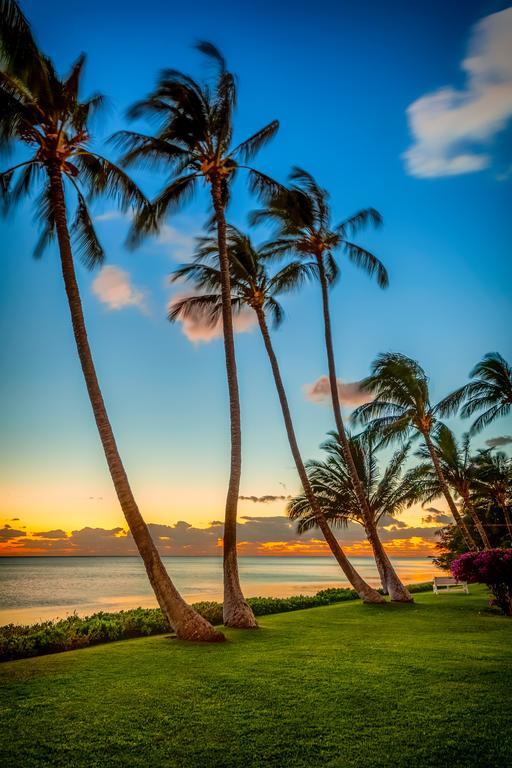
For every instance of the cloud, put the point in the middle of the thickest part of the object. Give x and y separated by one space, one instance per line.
495 442
257 535
350 394
436 516
55 534
7 533
181 245
453 128
196 328
264 499
386 521
112 216
112 286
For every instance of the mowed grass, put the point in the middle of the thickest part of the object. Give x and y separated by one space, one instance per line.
344 685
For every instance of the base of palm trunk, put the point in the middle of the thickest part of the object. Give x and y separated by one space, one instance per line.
400 594
238 615
374 598
198 630
240 618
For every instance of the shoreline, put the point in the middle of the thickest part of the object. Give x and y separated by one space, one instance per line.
113 604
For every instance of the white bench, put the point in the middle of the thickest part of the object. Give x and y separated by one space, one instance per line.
449 584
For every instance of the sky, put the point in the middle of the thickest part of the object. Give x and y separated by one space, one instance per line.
406 107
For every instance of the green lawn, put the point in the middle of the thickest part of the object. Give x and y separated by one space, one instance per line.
344 685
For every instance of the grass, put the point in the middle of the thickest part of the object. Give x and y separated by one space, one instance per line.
344 685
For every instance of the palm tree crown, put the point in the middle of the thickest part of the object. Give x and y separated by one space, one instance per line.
303 218
459 469
402 409
491 391
401 403
193 139
456 461
251 284
388 492
45 113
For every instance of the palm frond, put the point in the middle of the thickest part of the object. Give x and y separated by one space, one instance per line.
251 146
368 261
361 219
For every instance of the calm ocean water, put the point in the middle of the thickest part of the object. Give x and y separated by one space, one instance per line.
37 588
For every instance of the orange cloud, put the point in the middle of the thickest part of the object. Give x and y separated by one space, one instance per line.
258 535
197 329
350 393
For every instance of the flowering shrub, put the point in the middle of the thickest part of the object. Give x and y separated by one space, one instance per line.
492 567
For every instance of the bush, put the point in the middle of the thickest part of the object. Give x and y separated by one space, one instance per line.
21 641
492 567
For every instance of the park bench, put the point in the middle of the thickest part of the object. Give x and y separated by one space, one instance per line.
449 584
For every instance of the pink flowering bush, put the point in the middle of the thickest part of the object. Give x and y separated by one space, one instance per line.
492 567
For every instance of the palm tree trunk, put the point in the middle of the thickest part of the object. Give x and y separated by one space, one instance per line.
186 622
356 482
236 611
397 591
476 521
446 493
364 590
506 516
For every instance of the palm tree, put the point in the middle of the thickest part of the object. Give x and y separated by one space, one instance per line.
493 482
193 142
460 472
491 390
303 218
402 409
45 114
388 494
253 287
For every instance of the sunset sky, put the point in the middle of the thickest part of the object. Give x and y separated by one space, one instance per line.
403 106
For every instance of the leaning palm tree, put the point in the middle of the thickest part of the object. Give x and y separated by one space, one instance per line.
459 469
493 482
193 141
388 494
491 391
45 114
303 219
401 408
253 287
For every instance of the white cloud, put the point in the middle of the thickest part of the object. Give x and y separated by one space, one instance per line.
350 393
181 245
452 128
113 287
112 216
196 329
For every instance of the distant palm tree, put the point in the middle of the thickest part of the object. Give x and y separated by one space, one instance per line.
460 472
493 482
303 218
388 494
401 408
193 142
491 390
252 286
46 115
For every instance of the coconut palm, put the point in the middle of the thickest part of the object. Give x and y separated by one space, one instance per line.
253 287
491 391
401 409
45 114
194 141
493 482
388 494
460 472
303 219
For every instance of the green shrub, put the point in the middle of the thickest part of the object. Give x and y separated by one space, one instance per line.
22 641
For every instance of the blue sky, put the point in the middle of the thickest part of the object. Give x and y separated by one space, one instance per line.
340 78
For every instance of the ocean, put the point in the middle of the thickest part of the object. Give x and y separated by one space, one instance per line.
40 588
